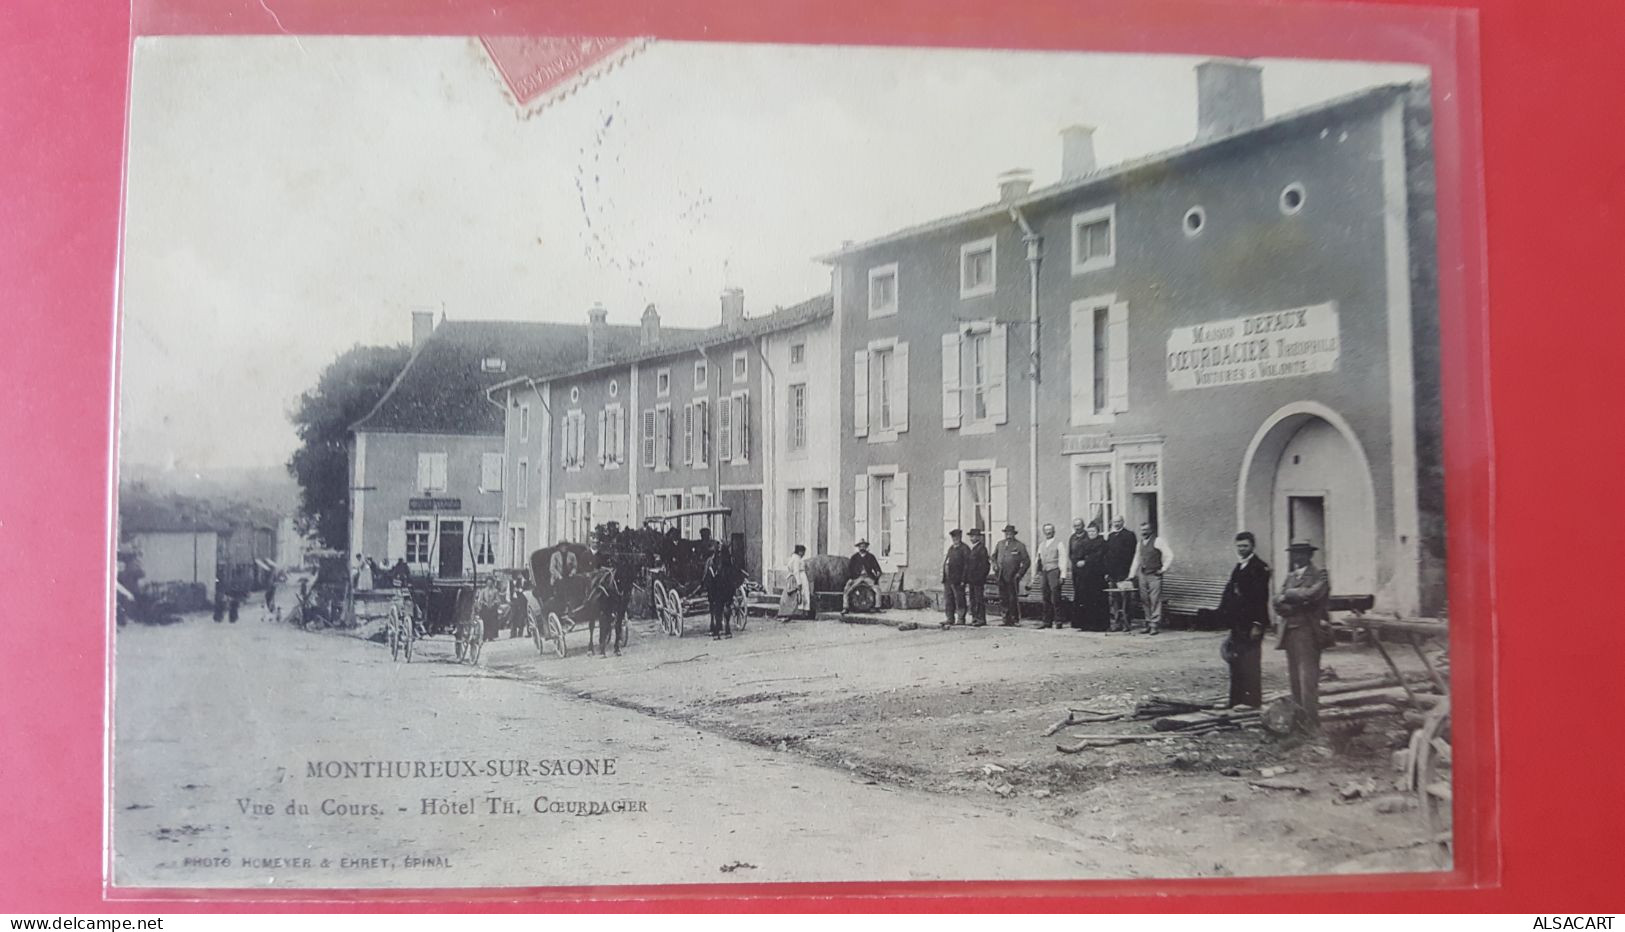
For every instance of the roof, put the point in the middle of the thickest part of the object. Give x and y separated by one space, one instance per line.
442 388
808 311
1154 162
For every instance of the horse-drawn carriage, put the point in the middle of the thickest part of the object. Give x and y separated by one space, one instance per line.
677 581
570 591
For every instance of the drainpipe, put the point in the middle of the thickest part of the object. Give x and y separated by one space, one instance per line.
770 494
1033 242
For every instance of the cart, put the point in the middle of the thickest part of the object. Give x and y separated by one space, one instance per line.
677 584
570 592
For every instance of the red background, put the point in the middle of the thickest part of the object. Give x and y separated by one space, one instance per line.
1547 184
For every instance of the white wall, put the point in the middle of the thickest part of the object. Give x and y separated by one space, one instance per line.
816 465
179 556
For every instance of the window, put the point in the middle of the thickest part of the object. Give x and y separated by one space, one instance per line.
575 394
976 352
613 435
976 267
798 417
1292 198
417 541
741 366
432 472
648 438
699 444
883 363
663 437
725 433
614 388
491 472
688 433
880 390
795 510
1094 239
798 354
1099 505
883 290
484 544
820 521
524 423
518 556
522 483
1195 221
740 417
701 376
662 383
1099 360
493 364
882 504
573 441
977 501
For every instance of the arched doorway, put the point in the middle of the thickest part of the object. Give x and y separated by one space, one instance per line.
1305 476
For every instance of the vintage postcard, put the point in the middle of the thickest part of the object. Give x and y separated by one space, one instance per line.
609 461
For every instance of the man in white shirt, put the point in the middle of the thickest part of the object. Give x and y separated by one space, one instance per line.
1051 570
1152 559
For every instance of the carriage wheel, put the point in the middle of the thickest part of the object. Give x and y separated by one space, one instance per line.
657 595
394 637
476 640
408 635
674 610
555 633
740 610
536 635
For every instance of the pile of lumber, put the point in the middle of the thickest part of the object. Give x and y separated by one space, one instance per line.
1174 717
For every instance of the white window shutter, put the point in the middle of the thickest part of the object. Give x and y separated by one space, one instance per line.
950 380
688 432
1083 363
860 393
581 438
998 346
860 508
603 437
899 388
396 548
1001 498
899 519
648 438
1117 357
725 451
425 471
950 501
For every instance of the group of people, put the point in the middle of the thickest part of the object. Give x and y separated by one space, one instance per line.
1097 564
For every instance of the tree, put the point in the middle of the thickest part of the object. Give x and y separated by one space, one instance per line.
348 389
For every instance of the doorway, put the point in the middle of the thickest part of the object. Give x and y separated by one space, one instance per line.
451 548
1306 520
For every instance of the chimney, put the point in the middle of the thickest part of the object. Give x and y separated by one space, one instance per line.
651 327
733 307
422 326
1229 96
1014 184
597 333
1077 151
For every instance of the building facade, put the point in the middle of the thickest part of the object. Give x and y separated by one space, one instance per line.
1237 334
429 462
675 424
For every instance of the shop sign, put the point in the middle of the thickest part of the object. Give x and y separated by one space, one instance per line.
435 504
1257 348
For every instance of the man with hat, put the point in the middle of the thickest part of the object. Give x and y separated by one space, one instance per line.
1302 607
954 567
1153 559
1245 607
977 566
1011 561
861 569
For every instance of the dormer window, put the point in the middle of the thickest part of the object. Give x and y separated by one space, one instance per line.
493 364
976 267
883 290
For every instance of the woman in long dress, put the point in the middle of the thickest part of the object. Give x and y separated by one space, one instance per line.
797 597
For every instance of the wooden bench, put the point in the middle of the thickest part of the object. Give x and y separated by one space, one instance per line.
1191 596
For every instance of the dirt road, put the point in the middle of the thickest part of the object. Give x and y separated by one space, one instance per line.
218 728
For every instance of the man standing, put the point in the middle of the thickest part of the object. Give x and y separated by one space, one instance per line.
955 566
1051 570
1245 605
1151 560
1302 607
1120 549
1011 560
977 566
861 568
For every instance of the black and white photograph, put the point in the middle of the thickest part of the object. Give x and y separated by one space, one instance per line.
564 462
